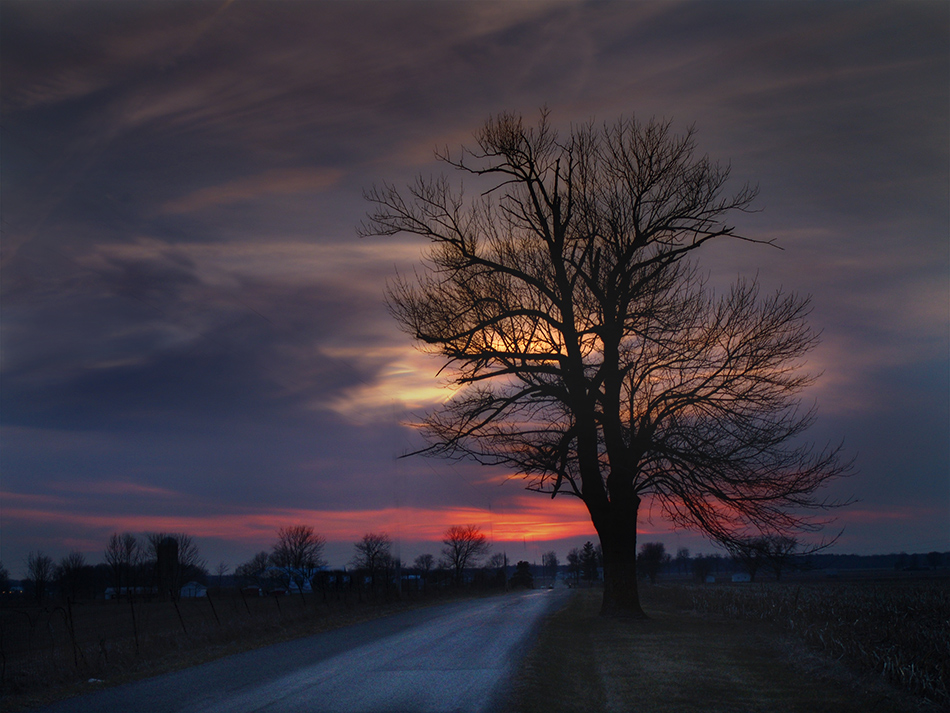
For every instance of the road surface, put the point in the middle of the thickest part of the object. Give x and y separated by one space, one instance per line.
455 657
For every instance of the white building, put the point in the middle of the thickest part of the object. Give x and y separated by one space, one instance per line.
193 589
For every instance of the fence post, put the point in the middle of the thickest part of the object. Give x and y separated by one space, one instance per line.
72 629
213 610
244 599
178 611
135 628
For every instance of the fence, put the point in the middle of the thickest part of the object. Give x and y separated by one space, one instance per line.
61 642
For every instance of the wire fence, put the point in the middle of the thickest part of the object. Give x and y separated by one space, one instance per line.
62 642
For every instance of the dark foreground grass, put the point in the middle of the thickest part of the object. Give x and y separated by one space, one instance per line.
680 662
45 680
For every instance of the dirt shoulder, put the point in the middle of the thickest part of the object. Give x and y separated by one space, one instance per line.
679 661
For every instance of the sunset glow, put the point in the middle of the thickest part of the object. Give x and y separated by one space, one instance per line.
194 338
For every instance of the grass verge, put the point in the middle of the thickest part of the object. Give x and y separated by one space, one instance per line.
682 662
44 685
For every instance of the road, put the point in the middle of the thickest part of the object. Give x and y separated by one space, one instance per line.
454 657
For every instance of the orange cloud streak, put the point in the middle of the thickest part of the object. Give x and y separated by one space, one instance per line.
524 517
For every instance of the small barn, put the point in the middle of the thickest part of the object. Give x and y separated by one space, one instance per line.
741 577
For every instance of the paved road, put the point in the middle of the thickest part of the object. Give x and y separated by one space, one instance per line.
455 657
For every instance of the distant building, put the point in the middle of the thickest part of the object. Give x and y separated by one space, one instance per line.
741 577
294 580
111 593
194 589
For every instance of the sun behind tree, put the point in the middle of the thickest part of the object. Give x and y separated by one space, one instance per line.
589 355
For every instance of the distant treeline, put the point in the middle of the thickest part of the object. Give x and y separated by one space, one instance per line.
899 561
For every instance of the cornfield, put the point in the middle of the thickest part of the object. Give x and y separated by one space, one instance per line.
900 629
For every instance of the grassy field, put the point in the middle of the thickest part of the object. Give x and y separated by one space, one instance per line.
683 661
750 648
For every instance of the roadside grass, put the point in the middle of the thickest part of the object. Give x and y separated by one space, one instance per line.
45 679
682 662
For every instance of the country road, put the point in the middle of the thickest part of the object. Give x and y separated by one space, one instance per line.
452 657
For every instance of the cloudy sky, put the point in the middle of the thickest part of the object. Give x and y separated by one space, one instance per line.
194 339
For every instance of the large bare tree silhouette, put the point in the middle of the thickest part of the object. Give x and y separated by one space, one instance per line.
588 354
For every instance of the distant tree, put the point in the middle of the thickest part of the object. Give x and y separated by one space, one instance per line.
652 558
702 567
550 564
781 553
589 563
373 554
574 565
297 555
496 561
750 554
69 574
254 571
4 579
424 564
123 554
682 560
221 571
587 352
464 545
39 568
496 565
522 577
934 559
192 564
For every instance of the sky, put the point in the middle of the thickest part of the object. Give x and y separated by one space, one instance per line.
194 339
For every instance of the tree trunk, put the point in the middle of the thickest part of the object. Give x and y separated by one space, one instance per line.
618 540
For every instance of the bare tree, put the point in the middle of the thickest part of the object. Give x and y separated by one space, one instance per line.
497 563
298 554
782 553
123 554
751 553
424 563
588 354
39 569
221 571
69 574
464 545
254 570
682 559
373 554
